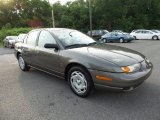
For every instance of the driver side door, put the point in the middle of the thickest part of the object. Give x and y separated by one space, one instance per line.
47 58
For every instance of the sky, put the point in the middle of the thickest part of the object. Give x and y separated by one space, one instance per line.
62 1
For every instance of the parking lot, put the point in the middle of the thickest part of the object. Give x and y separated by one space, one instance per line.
35 95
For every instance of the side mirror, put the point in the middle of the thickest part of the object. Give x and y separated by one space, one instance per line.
55 46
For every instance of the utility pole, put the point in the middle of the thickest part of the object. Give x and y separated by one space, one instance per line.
90 17
53 23
53 19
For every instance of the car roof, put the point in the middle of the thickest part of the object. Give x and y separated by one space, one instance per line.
11 36
53 29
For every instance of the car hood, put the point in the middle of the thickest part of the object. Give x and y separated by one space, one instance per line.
115 54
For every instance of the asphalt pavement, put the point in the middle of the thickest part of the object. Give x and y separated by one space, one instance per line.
35 95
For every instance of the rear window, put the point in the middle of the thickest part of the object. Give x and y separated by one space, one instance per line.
32 38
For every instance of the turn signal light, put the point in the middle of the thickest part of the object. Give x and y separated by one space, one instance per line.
126 69
103 78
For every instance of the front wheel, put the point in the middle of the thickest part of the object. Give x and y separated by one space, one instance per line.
80 81
22 64
135 38
155 37
104 40
4 44
10 46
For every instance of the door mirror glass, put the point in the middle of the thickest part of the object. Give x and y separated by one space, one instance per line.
51 46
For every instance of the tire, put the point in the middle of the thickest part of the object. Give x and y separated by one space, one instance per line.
104 40
7 45
22 64
4 44
10 46
80 81
155 37
135 37
121 40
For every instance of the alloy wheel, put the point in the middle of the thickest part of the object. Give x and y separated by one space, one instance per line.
21 63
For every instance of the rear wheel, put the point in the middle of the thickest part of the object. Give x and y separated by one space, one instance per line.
121 40
155 37
22 64
80 81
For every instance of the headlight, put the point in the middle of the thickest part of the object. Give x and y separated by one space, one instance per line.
131 68
11 41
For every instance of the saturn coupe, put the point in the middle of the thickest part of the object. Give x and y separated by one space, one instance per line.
80 60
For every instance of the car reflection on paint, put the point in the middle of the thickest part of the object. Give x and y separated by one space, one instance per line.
81 61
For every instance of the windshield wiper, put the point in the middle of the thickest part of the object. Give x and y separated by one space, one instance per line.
80 45
76 45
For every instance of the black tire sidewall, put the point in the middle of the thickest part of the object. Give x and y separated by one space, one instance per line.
121 39
26 67
135 37
104 40
155 37
88 79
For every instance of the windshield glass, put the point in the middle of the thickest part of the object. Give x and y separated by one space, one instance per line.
154 31
22 36
12 37
73 37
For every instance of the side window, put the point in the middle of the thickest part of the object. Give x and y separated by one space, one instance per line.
112 34
25 40
138 32
32 37
45 37
146 32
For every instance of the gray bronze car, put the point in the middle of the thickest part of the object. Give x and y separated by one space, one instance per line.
9 41
80 60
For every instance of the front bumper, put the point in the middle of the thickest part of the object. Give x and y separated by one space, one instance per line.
12 45
121 80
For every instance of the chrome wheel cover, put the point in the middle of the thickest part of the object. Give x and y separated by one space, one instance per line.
78 82
154 37
121 40
21 63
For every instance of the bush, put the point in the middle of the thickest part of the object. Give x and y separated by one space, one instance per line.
14 31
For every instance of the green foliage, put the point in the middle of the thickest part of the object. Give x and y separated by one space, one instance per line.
1 44
7 26
107 14
14 31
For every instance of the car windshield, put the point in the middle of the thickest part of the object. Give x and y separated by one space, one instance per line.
12 37
154 31
22 36
73 38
